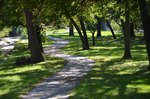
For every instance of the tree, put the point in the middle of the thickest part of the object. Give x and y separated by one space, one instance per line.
98 26
36 52
127 53
72 9
9 14
113 34
92 28
84 32
32 10
132 33
71 32
40 36
123 26
145 16
83 38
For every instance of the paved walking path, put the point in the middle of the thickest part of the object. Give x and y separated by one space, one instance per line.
58 85
7 44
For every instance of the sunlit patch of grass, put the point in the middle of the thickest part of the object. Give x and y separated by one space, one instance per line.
112 77
17 80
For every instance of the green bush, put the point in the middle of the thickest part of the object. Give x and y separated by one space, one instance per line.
4 32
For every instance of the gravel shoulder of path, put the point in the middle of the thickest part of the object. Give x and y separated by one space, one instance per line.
59 84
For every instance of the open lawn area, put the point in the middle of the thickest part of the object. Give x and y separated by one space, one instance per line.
112 77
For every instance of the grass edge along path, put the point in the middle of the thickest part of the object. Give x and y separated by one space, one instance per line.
112 77
17 80
59 85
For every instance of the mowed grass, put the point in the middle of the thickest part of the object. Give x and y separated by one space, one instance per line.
17 80
112 77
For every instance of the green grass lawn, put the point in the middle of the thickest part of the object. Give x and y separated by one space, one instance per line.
17 80
112 77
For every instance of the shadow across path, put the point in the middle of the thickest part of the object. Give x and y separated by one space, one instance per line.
58 85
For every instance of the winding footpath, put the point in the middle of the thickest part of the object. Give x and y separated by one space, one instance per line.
59 84
7 44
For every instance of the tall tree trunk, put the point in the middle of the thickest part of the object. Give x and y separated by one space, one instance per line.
71 32
36 54
38 31
98 26
132 33
113 34
145 16
93 39
84 34
123 26
79 32
127 53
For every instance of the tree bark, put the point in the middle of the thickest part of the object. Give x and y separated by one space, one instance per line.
84 34
123 26
38 31
127 53
71 32
79 32
145 16
36 54
98 26
112 31
93 39
132 33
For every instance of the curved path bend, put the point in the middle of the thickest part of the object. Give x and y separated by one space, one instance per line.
59 84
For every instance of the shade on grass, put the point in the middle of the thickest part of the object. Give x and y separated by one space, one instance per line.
17 80
112 77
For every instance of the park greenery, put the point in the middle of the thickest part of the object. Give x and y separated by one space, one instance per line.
111 77
18 79
114 33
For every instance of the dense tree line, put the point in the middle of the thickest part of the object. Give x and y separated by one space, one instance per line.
79 14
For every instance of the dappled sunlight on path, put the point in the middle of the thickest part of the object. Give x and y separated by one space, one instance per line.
59 85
